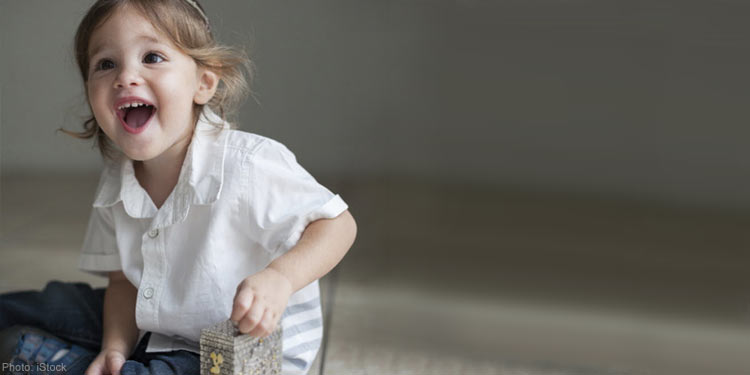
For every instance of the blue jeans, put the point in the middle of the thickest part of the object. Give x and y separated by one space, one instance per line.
73 312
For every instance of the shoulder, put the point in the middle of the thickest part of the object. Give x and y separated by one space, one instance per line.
253 161
261 160
250 146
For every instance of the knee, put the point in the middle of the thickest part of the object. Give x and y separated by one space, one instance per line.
61 292
55 287
55 292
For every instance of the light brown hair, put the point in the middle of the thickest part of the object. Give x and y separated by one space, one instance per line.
187 29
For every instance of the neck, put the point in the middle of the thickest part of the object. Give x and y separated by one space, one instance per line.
158 176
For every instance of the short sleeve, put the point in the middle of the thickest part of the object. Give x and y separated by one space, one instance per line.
99 254
285 198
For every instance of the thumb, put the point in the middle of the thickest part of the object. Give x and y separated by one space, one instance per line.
95 368
114 363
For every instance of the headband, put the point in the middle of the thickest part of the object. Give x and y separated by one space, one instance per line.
198 8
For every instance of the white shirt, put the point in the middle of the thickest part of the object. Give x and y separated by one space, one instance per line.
241 201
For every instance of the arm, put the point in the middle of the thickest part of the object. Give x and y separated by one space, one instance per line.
262 298
321 247
120 332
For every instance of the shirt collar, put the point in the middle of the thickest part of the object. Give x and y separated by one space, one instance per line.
200 180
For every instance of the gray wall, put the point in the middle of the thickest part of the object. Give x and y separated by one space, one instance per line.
613 97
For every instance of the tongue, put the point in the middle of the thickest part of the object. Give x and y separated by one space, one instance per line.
138 116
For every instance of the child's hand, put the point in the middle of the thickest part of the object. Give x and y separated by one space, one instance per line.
107 362
260 301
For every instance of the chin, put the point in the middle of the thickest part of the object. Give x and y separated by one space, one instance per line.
140 155
140 149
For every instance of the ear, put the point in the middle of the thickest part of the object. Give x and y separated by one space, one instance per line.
208 81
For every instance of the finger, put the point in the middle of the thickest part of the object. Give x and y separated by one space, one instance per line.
273 321
95 368
252 318
274 318
242 302
114 363
262 329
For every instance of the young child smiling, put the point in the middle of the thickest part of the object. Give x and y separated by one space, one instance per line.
193 222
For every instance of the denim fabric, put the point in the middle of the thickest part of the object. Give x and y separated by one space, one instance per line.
73 312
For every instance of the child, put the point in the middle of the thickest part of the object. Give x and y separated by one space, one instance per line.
192 222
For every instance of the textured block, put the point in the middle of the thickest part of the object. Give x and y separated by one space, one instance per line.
225 351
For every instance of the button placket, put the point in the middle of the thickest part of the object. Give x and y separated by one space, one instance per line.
147 305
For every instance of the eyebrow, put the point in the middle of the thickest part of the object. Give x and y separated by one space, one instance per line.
100 46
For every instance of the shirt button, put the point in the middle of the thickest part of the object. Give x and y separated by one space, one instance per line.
148 292
153 233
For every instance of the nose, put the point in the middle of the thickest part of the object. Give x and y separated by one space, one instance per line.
127 77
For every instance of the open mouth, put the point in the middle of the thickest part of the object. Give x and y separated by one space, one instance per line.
136 118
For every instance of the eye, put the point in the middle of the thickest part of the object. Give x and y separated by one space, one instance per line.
104 64
152 58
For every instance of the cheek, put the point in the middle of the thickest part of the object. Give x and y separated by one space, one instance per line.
99 107
96 97
173 84
175 90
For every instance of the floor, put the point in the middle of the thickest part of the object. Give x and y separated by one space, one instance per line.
447 279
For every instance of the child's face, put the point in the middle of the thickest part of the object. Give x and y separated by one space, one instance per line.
130 58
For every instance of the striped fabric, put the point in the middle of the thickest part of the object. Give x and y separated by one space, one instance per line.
303 331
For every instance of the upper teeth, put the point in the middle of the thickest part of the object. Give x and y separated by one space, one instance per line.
131 105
